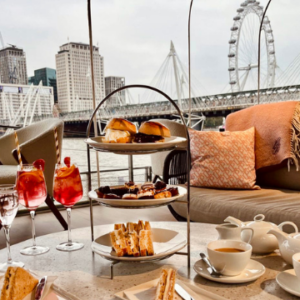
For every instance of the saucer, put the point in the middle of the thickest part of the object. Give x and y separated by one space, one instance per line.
253 271
289 282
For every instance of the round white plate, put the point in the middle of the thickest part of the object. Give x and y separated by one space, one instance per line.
253 271
289 282
165 242
138 203
140 148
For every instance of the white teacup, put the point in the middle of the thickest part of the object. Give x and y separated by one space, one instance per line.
229 263
296 264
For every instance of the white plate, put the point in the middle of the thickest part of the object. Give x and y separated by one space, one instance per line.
253 271
289 282
127 148
165 242
146 291
136 203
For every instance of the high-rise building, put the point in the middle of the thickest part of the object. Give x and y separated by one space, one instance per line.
13 65
48 78
111 84
73 73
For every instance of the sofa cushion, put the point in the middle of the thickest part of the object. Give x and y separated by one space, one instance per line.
223 160
213 206
8 174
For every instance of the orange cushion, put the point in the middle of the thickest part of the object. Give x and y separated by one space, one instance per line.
224 160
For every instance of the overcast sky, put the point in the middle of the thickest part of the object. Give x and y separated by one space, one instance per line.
134 35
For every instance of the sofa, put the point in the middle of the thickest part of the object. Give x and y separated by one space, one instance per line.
278 199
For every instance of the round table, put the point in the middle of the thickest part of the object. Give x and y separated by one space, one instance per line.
87 275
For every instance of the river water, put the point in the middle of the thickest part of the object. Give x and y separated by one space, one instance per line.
77 150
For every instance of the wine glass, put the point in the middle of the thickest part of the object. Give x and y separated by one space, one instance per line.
9 204
67 189
32 192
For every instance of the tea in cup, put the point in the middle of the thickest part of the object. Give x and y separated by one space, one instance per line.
229 257
296 264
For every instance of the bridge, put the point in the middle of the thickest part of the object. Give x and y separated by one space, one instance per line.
212 105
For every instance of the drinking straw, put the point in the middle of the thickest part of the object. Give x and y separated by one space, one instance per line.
57 146
18 150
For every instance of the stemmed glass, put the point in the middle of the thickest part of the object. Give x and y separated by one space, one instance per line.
32 192
67 189
9 204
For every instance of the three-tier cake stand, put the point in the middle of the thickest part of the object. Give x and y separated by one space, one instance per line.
137 149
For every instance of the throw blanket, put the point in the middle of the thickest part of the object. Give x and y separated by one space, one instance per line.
277 127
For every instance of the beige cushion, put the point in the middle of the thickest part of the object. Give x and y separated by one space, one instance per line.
279 177
8 174
213 206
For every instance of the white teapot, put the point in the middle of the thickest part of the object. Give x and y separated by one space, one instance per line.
262 241
289 244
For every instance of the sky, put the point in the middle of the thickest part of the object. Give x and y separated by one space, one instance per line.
134 35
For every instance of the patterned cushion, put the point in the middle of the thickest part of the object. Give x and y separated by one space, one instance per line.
223 160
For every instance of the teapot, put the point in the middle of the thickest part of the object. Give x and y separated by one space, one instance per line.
229 231
262 241
289 244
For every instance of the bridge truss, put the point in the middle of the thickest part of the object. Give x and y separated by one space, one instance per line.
204 104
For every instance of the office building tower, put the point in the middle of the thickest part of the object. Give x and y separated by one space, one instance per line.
48 78
111 84
13 68
73 75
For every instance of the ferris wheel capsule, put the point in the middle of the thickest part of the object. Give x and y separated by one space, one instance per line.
240 10
272 52
251 1
234 28
233 41
231 69
232 82
244 4
236 18
230 55
256 3
270 41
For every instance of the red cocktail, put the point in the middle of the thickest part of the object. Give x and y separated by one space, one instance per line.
67 189
31 187
32 193
67 185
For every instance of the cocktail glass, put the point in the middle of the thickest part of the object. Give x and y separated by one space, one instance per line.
9 204
32 192
67 189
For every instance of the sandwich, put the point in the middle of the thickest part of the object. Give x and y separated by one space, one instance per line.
152 132
119 131
166 285
18 283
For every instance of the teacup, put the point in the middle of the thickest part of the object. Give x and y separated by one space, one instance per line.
229 263
296 264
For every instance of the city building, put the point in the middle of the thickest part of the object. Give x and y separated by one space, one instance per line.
111 84
73 74
13 65
48 78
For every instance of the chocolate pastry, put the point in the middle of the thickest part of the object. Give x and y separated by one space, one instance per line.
111 196
173 191
102 190
130 196
146 197
120 191
145 138
133 191
130 184
147 186
160 186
